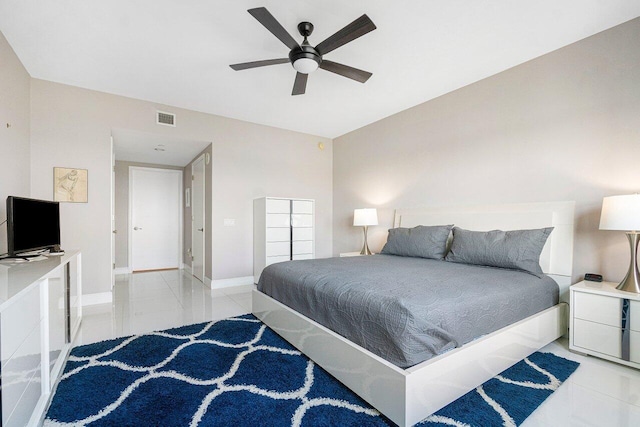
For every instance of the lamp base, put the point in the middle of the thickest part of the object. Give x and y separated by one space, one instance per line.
365 248
631 282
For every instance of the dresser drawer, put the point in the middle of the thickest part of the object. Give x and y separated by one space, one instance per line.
278 220
304 247
302 206
302 220
278 234
597 337
598 309
274 259
278 206
300 233
278 249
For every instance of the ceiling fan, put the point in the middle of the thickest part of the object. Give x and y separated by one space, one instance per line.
306 58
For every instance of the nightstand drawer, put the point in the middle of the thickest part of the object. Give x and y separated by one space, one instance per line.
598 309
597 337
635 316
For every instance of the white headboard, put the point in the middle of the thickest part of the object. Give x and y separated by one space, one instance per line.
557 256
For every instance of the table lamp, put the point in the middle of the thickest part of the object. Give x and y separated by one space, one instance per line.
365 218
623 213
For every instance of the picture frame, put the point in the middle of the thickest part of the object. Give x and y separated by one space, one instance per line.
70 185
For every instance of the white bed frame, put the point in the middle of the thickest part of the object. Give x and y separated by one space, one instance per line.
407 396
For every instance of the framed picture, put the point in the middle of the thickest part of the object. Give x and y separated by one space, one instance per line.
70 185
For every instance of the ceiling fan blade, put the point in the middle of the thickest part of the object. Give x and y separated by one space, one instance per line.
270 23
300 85
357 28
346 71
255 64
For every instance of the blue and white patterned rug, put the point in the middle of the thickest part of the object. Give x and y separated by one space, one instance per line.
237 372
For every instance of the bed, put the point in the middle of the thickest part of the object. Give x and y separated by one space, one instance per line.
408 390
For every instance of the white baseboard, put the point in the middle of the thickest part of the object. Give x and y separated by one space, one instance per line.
122 270
234 281
97 298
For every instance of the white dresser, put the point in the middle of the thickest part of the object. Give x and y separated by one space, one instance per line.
40 313
283 230
605 322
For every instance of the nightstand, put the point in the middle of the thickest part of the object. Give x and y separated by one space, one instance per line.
605 322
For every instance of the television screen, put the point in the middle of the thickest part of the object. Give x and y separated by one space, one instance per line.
32 224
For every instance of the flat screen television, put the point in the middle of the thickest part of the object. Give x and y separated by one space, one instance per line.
31 225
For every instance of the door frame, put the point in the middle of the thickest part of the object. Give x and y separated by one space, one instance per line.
130 213
204 216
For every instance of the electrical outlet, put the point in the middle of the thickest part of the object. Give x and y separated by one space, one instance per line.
229 222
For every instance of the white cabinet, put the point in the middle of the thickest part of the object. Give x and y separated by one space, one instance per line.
605 322
283 230
40 313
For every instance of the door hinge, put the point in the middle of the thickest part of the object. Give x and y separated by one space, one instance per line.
191 257
193 178
114 265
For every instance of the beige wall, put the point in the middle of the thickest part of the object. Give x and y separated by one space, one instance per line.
71 127
565 126
122 208
14 131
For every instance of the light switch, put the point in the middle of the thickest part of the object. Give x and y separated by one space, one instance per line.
229 222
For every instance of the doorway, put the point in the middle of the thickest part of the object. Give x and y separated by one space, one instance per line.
198 223
155 219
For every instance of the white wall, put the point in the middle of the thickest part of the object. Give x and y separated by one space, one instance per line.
565 126
14 131
71 127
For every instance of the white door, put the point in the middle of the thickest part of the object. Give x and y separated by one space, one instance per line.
155 197
197 231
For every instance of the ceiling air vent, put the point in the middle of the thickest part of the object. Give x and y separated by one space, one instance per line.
163 118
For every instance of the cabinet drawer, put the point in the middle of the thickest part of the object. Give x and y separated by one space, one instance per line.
634 355
278 249
635 316
598 308
302 206
597 337
302 233
302 256
278 206
278 220
278 234
274 259
302 220
304 247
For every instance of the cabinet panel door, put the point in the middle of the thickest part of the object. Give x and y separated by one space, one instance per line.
302 233
303 206
635 347
302 220
635 316
278 206
278 220
278 234
278 249
18 320
304 247
598 308
597 337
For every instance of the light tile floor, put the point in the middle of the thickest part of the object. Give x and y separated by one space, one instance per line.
599 393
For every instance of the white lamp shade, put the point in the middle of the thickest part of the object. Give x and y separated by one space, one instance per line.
365 217
621 213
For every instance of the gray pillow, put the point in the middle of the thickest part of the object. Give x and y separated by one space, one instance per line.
421 241
516 250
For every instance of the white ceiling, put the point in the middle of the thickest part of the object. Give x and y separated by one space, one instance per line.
141 147
178 52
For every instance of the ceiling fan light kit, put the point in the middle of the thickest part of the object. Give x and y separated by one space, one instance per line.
305 58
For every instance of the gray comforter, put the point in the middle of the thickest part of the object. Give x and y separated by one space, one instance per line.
407 310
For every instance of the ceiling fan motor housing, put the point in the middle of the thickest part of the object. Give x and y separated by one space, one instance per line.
305 54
